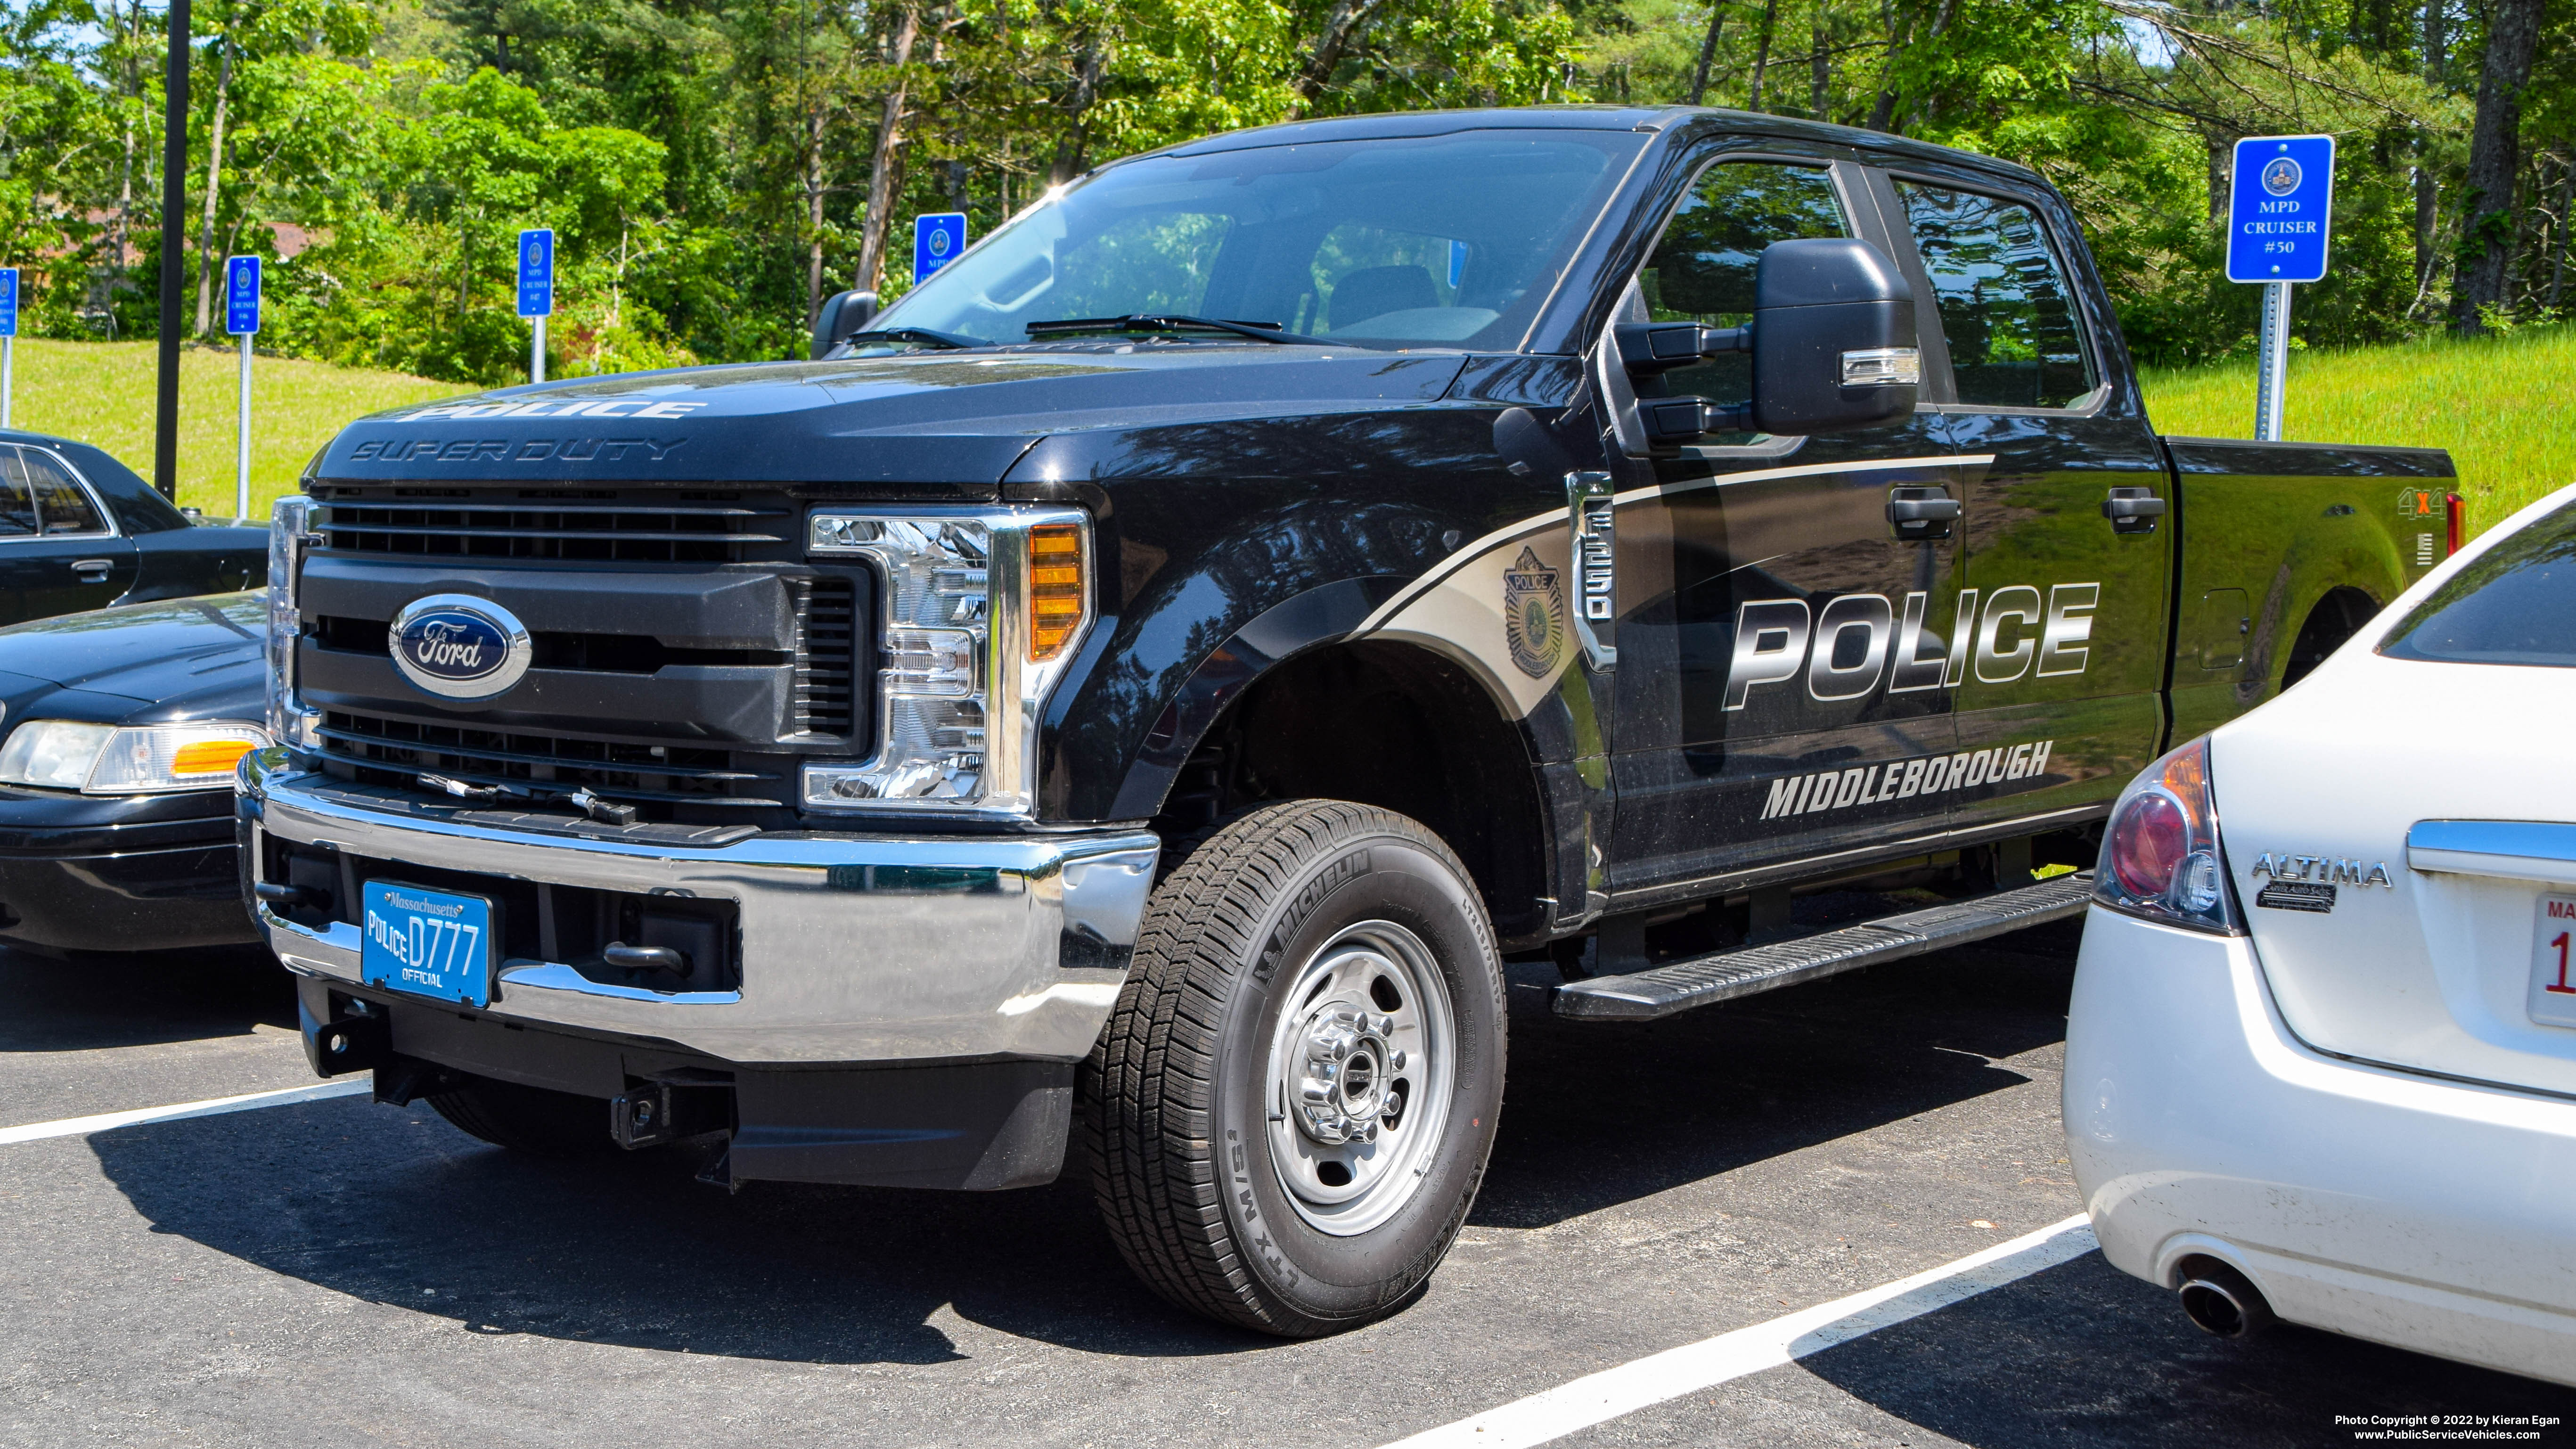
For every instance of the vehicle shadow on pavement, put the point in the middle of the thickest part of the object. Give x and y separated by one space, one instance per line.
394 1206
88 1003
2083 1354
1597 1114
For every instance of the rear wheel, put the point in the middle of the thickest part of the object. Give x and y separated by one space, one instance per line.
532 1120
1291 1107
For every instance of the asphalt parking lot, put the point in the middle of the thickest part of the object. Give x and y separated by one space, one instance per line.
332 1272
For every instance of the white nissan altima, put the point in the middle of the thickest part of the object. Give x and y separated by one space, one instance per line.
2321 1061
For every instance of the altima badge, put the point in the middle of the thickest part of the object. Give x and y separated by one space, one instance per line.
2333 870
2308 882
457 646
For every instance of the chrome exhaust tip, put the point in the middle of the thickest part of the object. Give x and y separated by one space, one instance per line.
2221 1301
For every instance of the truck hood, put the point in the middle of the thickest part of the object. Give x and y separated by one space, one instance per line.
174 660
930 418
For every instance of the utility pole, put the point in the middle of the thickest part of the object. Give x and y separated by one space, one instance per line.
174 226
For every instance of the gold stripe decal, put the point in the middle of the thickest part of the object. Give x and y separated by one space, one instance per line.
1555 517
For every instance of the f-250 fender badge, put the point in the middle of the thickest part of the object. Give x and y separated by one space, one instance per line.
1533 614
457 646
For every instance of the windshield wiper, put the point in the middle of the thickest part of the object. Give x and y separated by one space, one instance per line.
1169 322
921 335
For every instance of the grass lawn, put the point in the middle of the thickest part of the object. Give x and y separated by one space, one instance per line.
102 393
2503 405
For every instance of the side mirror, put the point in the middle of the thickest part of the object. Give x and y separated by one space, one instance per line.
1832 339
842 313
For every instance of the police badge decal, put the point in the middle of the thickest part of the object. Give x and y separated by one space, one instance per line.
1533 614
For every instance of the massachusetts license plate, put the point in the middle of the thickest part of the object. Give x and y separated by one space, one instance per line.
427 943
2553 982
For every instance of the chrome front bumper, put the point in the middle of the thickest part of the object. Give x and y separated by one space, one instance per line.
855 948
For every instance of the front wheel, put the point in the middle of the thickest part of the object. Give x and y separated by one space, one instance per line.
1291 1107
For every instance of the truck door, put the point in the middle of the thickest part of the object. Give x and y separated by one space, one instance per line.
1781 647
2066 536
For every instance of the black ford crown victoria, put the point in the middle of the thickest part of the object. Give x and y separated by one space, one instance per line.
78 530
121 724
124 725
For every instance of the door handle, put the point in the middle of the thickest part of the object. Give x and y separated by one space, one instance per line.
92 570
2133 510
1921 514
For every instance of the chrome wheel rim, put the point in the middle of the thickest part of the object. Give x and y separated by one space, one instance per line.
1362 1062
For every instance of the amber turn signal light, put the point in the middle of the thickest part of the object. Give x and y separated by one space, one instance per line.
208 757
1055 588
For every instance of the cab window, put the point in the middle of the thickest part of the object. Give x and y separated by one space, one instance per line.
62 506
2005 308
1702 270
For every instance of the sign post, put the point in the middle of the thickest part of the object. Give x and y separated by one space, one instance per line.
241 319
8 339
2279 211
937 239
537 293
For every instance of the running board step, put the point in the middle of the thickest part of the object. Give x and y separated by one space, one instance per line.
1702 980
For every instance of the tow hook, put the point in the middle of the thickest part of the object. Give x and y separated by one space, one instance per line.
354 1043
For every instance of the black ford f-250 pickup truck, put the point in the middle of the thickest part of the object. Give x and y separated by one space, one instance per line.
1140 687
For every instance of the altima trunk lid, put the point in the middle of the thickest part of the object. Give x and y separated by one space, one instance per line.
2401 833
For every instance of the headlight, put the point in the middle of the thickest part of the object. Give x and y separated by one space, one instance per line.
2160 858
289 525
97 759
978 611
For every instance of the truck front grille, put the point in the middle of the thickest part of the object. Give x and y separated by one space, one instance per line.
573 524
827 656
535 765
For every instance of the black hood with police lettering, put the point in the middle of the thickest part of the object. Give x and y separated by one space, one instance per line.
934 418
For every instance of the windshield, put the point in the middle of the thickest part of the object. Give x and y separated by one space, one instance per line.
1446 241
2515 605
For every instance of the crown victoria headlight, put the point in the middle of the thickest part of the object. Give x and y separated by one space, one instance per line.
97 759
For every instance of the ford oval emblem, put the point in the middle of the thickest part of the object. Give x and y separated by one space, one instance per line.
457 646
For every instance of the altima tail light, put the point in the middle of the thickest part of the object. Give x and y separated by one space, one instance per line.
2161 857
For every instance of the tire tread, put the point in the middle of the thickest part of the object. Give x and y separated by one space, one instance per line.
1149 1085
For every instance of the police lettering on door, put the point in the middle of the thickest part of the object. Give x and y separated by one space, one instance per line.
1845 648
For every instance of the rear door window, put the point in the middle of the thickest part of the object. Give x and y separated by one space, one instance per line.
2005 307
17 504
2516 604
62 505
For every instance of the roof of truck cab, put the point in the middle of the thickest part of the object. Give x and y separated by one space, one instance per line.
1401 125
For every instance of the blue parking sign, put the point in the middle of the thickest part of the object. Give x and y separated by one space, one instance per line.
241 295
8 301
937 238
2280 209
537 272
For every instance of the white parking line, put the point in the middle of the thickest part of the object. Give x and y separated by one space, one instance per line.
80 1126
1646 1382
